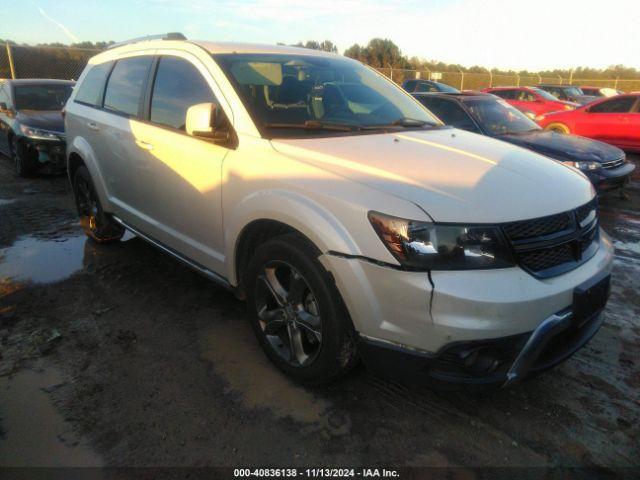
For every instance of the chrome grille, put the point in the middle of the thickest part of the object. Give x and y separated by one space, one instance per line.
552 245
613 163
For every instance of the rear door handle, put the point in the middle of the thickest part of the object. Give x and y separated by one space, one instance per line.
144 145
93 126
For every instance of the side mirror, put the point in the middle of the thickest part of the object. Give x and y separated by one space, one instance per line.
205 120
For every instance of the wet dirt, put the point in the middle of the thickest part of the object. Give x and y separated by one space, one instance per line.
160 368
34 432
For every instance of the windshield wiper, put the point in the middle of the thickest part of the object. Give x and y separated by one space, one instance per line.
411 122
316 125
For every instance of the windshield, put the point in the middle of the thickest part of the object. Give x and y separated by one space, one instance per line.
573 91
447 88
41 97
546 95
297 92
498 117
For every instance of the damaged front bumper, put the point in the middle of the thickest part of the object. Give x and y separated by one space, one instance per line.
480 329
44 155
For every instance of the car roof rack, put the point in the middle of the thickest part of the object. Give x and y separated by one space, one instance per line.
162 36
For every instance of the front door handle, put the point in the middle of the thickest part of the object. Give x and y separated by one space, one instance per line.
144 145
93 126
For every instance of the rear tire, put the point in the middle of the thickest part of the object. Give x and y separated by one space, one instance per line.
96 223
558 128
297 313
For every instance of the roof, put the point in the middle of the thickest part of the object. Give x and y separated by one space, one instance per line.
232 47
459 95
509 87
40 81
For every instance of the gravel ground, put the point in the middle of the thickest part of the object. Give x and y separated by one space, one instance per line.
120 356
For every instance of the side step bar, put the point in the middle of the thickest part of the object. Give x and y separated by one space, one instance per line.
187 261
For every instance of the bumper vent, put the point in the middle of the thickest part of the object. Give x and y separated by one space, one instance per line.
550 246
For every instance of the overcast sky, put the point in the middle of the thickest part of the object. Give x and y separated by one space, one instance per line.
533 35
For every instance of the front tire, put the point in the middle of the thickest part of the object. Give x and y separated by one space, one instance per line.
22 165
297 313
96 224
558 128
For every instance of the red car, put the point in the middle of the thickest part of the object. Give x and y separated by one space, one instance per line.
531 101
614 120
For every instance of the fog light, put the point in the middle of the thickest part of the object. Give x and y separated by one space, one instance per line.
482 360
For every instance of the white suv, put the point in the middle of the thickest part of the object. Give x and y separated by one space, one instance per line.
353 222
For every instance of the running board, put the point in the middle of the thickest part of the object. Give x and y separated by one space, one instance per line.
187 261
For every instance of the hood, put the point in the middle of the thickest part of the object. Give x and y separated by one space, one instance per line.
564 147
46 120
571 104
453 175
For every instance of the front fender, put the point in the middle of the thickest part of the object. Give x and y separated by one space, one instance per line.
311 219
81 147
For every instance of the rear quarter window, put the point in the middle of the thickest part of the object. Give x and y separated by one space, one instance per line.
92 87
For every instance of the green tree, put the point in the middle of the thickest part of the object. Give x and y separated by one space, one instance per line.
325 46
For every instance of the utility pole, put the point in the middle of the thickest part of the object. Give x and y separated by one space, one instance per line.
11 66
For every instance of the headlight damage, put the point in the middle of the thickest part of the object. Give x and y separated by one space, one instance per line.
429 246
39 134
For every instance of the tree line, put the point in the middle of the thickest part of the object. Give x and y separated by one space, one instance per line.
384 53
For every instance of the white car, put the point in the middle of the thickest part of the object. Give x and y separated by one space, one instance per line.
600 91
353 222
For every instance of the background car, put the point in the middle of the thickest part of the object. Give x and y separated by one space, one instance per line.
31 123
425 86
530 100
614 120
569 93
605 165
600 91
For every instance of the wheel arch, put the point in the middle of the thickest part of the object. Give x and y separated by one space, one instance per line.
263 216
79 152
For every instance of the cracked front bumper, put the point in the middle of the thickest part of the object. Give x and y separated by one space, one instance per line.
416 321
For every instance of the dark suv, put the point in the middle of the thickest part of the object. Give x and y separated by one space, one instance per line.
427 86
31 123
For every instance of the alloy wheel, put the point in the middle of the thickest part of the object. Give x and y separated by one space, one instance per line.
87 206
288 313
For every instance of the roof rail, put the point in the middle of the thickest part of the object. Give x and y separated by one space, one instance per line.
162 36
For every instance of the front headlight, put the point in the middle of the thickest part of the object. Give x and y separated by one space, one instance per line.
38 134
569 107
428 246
585 166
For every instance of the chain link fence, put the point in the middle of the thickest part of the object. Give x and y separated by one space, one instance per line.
478 81
68 63
43 62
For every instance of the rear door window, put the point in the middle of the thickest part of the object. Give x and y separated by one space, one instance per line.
4 96
615 105
126 82
506 94
525 96
92 87
178 85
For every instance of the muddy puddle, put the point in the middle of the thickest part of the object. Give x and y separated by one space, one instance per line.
6 202
32 432
236 357
42 260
